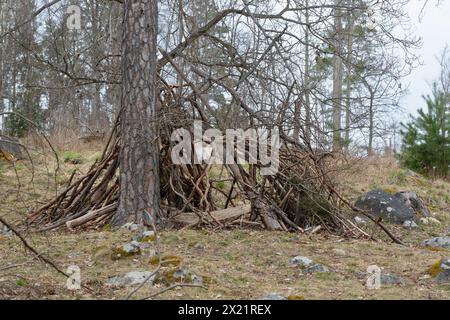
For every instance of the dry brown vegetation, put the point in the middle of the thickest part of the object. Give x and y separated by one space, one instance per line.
237 263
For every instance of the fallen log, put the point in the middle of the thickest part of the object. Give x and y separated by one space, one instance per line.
190 218
91 215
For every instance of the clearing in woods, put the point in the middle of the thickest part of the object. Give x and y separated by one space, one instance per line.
235 264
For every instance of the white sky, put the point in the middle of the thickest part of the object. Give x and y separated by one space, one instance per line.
434 29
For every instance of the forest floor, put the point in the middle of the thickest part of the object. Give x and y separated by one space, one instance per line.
234 264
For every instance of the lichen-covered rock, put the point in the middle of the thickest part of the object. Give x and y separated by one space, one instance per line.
317 268
131 227
308 265
437 242
301 261
127 250
441 271
131 278
388 207
145 236
430 221
391 279
408 224
179 275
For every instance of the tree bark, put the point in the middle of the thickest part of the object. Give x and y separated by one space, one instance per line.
337 78
139 154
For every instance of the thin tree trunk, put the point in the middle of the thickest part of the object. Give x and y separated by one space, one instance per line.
348 84
337 78
139 153
307 78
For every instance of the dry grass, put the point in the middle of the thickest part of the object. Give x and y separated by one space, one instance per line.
239 264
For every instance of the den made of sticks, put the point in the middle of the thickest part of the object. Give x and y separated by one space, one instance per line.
189 149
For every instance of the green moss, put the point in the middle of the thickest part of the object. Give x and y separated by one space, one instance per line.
72 157
166 261
119 253
390 190
435 269
295 297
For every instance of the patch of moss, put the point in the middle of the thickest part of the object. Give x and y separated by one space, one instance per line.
166 261
435 269
390 190
72 157
119 253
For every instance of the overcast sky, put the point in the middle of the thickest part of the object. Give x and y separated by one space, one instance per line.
434 29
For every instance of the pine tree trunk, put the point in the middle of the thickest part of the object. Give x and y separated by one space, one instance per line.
139 153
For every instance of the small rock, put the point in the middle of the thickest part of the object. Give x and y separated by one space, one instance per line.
301 261
145 236
199 246
437 242
445 264
339 252
317 268
131 278
131 226
430 220
391 279
273 296
444 276
129 249
409 224
360 221
5 231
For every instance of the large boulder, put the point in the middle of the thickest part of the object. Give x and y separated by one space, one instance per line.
390 208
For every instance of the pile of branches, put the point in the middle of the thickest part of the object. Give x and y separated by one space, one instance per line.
299 196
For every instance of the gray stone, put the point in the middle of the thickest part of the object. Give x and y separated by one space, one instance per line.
391 279
360 220
145 236
301 261
131 278
131 247
317 268
273 296
437 242
444 276
339 252
131 226
445 264
408 224
199 246
5 231
382 204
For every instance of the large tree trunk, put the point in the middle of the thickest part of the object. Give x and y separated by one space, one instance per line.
139 153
